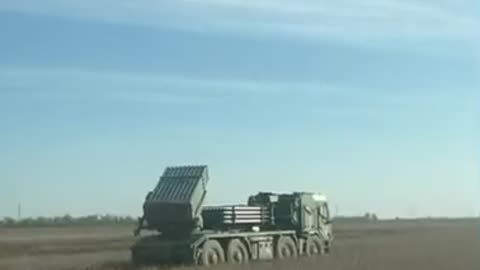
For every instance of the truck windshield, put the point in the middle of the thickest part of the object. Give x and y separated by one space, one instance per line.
324 212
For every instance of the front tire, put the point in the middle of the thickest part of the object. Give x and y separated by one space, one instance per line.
314 246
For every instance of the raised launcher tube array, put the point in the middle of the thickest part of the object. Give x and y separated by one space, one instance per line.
174 206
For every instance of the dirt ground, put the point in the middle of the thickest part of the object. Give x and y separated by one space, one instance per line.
383 245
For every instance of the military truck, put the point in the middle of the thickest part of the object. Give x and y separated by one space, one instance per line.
268 226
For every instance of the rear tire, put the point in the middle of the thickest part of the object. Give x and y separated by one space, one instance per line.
237 252
212 253
286 248
314 246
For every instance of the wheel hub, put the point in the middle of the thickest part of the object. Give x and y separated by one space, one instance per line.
286 252
213 258
237 256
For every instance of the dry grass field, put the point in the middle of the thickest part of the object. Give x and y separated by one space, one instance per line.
385 245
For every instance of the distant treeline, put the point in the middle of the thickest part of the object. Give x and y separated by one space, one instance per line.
366 217
67 220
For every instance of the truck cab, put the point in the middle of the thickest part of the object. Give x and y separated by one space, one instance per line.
304 212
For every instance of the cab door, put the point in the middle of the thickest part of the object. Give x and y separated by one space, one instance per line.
323 220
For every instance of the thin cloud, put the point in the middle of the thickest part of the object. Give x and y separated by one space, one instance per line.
113 81
169 89
369 21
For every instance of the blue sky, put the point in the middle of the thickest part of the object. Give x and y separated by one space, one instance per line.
374 103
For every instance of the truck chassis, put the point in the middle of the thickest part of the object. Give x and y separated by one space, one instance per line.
211 248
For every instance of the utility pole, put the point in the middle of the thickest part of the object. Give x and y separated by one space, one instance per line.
19 211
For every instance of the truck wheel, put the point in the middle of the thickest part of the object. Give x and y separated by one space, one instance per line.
212 253
314 246
237 252
286 248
